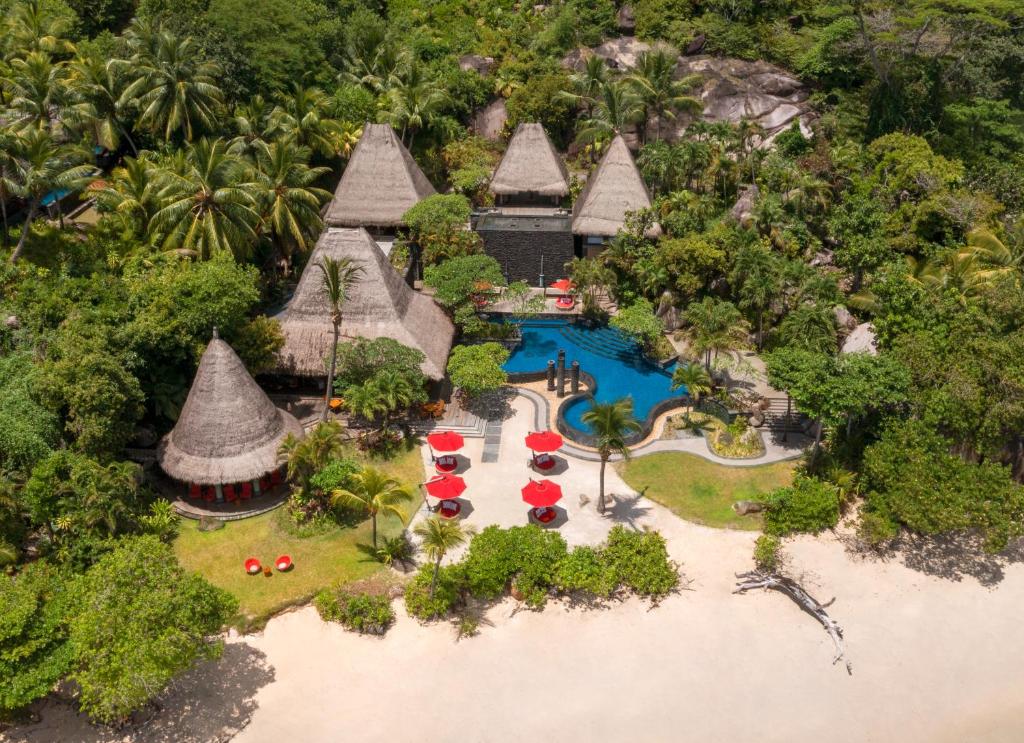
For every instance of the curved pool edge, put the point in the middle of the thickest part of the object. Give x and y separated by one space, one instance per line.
582 437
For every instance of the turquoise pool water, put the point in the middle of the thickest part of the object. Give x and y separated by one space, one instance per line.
608 355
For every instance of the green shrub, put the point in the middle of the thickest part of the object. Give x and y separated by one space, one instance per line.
875 529
326 603
767 552
366 614
641 562
524 555
808 505
585 570
447 593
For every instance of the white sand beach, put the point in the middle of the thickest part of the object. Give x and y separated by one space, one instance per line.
933 638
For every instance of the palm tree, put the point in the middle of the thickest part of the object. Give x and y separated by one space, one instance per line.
616 108
211 207
694 378
587 84
610 423
375 493
339 276
714 326
303 116
662 96
373 58
98 86
415 102
176 92
290 203
994 252
38 90
758 282
396 391
366 400
252 122
34 166
438 536
33 27
308 455
133 193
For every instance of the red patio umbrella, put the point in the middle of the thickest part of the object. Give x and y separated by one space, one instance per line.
445 487
542 493
544 441
562 285
445 441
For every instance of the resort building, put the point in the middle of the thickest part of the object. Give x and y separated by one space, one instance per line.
527 233
380 183
224 445
612 190
380 304
531 173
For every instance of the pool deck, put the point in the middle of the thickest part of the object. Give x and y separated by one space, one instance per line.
776 450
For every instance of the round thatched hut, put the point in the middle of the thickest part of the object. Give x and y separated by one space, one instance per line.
224 445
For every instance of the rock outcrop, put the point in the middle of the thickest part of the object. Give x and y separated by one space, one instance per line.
489 122
731 89
861 340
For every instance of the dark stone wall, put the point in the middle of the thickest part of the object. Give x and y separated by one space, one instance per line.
519 253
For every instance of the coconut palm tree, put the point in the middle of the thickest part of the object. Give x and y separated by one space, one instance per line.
376 493
373 58
176 92
37 88
133 193
34 166
339 276
288 199
714 326
308 455
694 378
438 537
586 85
211 207
97 86
252 124
661 95
415 102
302 115
616 108
994 252
396 391
32 26
758 282
610 423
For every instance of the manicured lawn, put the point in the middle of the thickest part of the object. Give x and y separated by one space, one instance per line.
322 560
702 491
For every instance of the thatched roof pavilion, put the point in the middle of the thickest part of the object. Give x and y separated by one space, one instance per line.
229 430
380 182
613 189
531 165
380 304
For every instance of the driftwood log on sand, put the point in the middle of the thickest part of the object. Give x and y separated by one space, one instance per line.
759 579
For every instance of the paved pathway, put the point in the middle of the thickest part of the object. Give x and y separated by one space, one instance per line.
776 450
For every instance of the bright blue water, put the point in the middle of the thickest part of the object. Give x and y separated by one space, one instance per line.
608 355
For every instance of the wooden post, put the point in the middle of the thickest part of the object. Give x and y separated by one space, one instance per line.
551 376
574 377
561 372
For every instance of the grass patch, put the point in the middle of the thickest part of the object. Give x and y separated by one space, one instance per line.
702 491
323 560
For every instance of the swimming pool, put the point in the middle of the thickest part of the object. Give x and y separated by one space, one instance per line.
607 354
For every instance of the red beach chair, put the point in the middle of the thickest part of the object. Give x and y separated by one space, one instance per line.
543 462
446 464
544 515
253 567
565 303
449 509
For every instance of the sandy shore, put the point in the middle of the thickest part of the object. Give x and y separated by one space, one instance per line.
933 638
934 659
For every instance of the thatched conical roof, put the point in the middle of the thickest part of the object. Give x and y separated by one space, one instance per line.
530 164
613 189
379 184
380 304
229 430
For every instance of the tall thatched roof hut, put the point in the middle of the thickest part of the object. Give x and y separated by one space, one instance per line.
530 168
229 431
379 184
613 189
380 304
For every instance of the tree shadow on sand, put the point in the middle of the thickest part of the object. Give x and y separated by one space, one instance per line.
212 702
950 556
627 509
